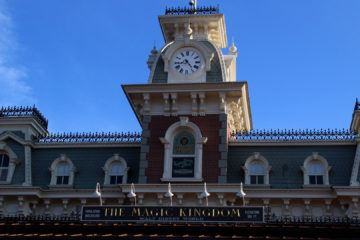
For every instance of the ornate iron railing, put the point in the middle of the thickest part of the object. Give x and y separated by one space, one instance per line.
122 137
282 220
24 112
323 220
189 11
296 135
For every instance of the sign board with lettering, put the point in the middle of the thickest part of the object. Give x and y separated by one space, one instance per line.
158 214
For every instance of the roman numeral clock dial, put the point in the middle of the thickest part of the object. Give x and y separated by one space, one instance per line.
187 62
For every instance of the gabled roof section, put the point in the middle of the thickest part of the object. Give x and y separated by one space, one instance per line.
7 134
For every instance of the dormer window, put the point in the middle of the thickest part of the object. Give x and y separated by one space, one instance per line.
316 170
116 170
257 173
8 161
316 173
256 170
116 173
62 172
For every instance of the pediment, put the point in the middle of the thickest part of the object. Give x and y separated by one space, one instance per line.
8 134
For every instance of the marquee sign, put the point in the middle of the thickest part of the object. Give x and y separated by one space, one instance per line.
157 214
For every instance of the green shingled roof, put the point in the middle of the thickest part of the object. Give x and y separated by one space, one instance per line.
287 160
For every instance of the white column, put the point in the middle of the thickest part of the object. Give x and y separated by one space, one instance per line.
28 177
167 160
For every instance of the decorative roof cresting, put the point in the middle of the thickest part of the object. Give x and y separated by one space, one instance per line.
14 112
294 135
64 138
190 10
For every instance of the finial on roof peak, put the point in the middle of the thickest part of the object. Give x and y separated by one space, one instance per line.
233 48
154 51
357 105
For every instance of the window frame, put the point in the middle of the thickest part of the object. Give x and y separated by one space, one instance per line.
116 159
316 158
256 158
184 125
60 161
2 168
13 161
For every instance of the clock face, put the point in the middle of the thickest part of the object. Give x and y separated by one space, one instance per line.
187 62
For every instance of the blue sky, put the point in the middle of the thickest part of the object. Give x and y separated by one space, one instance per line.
301 59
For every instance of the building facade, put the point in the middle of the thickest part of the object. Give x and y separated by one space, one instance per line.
196 128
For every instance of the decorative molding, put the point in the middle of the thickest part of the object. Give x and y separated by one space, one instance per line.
305 168
167 140
257 157
107 168
236 117
53 169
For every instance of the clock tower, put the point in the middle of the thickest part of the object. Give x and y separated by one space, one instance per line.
192 101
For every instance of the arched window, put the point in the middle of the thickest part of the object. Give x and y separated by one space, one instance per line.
256 170
115 170
116 173
62 172
316 173
8 162
4 167
183 157
183 144
316 170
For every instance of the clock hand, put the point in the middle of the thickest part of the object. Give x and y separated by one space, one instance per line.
191 67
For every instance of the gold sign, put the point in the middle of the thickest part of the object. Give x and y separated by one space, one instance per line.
172 214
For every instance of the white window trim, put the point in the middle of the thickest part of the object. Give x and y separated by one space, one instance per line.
13 161
256 157
167 140
107 167
305 168
53 169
